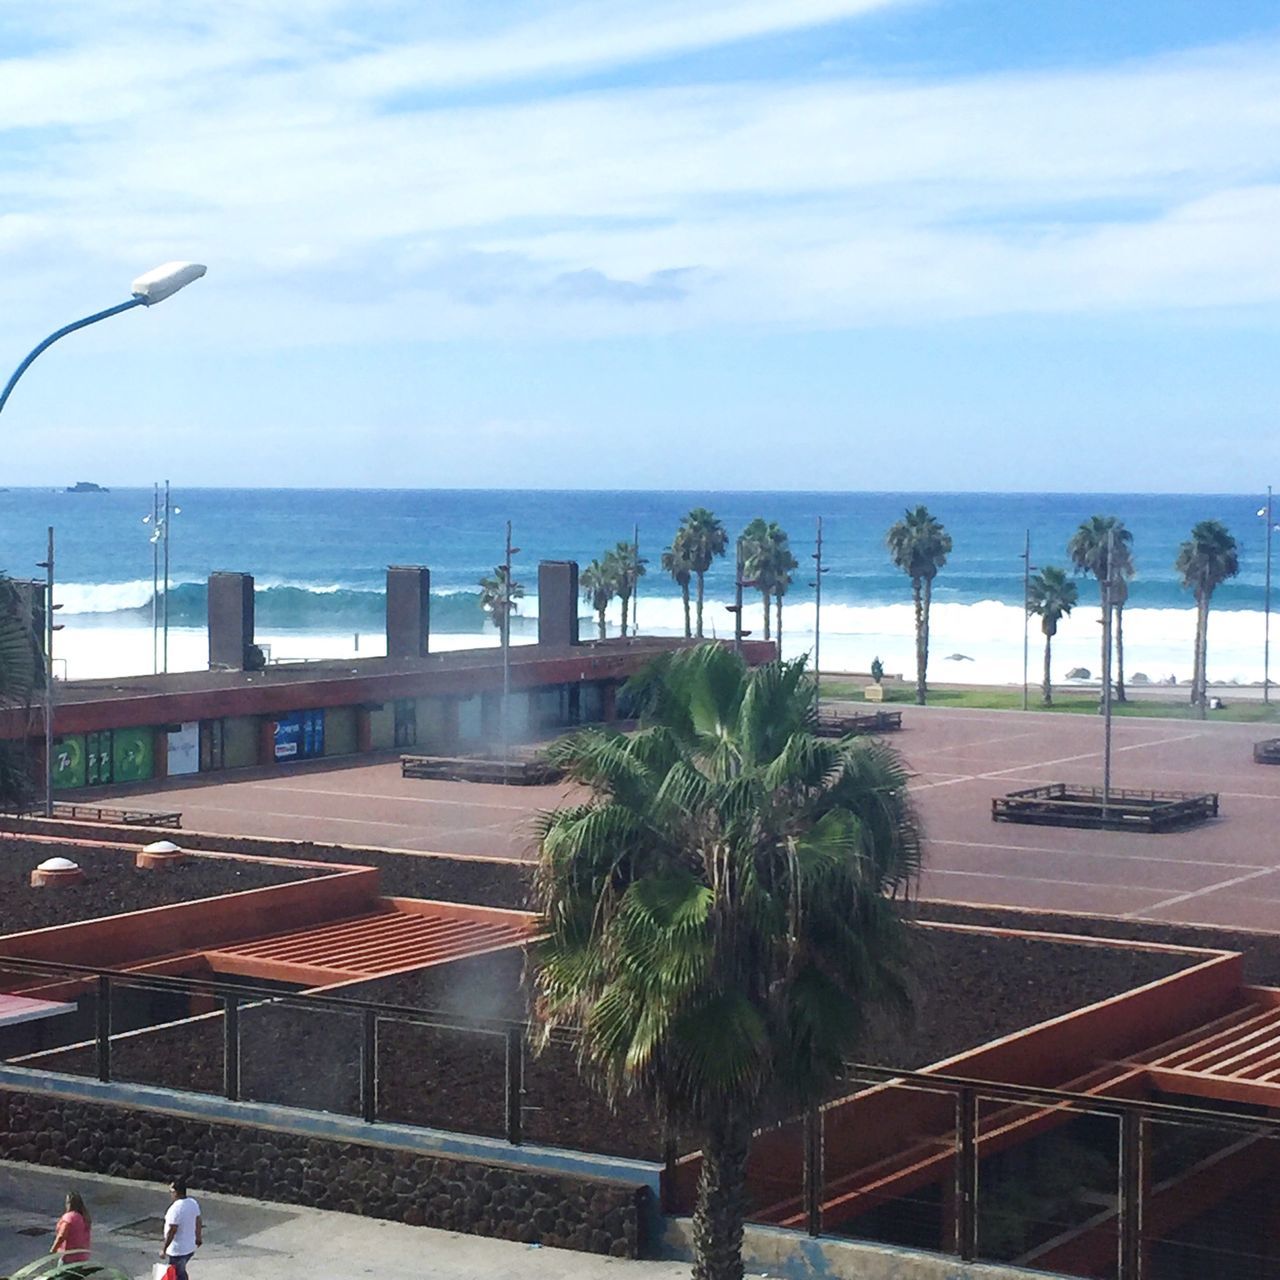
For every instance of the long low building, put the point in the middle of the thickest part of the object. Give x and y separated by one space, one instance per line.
244 713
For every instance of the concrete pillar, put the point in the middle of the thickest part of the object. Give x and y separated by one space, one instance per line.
408 610
558 602
608 701
230 621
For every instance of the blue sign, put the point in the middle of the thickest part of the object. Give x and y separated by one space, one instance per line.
299 735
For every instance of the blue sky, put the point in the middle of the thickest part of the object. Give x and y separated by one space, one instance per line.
865 244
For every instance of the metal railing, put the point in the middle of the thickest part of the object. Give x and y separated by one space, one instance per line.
959 1166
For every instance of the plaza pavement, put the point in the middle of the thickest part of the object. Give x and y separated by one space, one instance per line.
249 1240
1226 872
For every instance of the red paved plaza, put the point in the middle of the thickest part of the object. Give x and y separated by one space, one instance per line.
1226 872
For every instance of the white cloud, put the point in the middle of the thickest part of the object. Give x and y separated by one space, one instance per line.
262 145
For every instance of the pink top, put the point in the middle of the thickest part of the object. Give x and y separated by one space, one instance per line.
72 1237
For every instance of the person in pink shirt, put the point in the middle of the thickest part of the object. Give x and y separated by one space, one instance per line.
71 1239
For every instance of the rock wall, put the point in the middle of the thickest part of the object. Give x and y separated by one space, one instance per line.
592 1215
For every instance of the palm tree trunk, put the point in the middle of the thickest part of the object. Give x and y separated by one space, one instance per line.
1048 683
626 607
1202 635
765 596
1196 666
701 592
917 593
600 621
924 653
1119 612
684 597
777 631
722 1201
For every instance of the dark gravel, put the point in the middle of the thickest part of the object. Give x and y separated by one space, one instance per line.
112 884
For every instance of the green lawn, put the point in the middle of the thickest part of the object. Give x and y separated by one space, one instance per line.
1252 712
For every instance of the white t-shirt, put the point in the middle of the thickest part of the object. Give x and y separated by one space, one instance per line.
182 1214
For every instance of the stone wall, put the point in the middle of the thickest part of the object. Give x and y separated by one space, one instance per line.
592 1215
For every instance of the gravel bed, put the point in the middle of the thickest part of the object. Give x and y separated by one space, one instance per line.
112 884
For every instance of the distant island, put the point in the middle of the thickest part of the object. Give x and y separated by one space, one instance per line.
86 486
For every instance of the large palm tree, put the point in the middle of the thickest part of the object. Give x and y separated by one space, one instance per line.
704 539
1119 598
919 546
1051 595
720 912
768 561
628 568
1207 558
677 562
498 598
1103 547
599 585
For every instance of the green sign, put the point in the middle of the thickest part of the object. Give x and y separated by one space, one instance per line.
68 761
132 755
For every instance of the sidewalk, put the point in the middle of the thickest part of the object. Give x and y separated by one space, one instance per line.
254 1240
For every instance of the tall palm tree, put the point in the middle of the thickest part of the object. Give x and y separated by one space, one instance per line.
721 911
919 546
677 562
1119 598
1209 557
599 585
628 568
757 562
498 599
1103 547
1051 595
704 539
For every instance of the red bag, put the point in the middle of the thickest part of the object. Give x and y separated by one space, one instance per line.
164 1271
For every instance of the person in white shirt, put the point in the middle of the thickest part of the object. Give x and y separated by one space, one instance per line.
183 1228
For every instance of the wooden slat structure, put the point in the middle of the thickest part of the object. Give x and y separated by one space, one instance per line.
836 724
516 773
1066 804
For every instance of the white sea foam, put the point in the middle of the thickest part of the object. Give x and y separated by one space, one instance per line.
1158 642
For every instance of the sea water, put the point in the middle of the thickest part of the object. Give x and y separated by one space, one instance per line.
319 558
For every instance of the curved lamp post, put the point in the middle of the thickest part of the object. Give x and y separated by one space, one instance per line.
148 289
155 286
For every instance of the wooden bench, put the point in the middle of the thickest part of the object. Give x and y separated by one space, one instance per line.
518 773
69 812
835 724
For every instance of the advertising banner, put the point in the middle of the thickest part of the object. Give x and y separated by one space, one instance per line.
183 755
68 761
133 755
299 736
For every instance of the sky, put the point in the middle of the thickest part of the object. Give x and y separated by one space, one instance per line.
819 244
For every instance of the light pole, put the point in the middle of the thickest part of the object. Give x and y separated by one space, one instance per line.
1266 615
148 289
1026 617
816 584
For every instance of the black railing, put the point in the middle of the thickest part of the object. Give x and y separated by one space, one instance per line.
963 1173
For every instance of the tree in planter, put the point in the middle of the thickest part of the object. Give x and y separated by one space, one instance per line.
877 669
677 561
703 538
1103 547
722 910
598 586
498 598
1207 559
1051 596
919 546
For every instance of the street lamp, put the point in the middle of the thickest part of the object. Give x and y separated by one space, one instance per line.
1265 512
155 286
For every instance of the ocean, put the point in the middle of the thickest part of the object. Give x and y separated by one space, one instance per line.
319 559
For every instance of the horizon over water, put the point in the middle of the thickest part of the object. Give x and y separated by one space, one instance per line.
319 557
